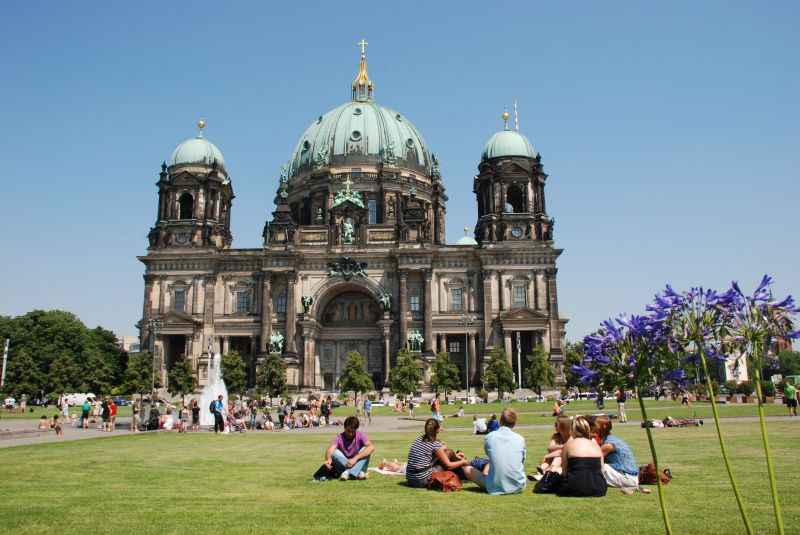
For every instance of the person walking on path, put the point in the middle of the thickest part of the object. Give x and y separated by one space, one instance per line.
85 409
112 415
790 394
368 409
436 409
349 451
217 407
622 397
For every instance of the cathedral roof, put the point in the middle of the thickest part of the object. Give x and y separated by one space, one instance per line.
361 132
197 150
508 142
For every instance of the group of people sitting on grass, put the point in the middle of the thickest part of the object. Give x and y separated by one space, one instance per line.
583 458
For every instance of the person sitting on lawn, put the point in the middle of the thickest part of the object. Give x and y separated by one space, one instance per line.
582 463
349 451
619 468
479 426
558 408
506 452
55 425
492 424
428 455
43 423
562 435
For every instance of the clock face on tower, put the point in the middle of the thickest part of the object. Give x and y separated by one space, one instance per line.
516 232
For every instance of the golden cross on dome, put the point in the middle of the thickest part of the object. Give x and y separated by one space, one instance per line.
363 44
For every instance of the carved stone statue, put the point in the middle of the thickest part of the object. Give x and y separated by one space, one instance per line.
415 340
276 342
390 209
319 218
306 301
153 236
348 231
347 268
386 301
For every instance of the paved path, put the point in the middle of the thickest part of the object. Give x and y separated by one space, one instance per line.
23 432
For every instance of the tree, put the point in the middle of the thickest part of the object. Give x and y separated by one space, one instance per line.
573 356
404 378
138 377
234 372
271 376
181 378
446 375
788 363
23 377
499 375
539 372
354 376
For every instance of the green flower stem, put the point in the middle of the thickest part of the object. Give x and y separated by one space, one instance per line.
748 526
776 504
664 515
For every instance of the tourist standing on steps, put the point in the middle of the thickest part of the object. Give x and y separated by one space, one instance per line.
217 407
349 451
622 397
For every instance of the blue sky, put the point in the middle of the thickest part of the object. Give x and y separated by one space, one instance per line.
670 132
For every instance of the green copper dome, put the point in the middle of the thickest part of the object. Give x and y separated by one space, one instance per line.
197 150
360 133
508 143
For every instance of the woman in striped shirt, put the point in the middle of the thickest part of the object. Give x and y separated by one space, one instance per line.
427 455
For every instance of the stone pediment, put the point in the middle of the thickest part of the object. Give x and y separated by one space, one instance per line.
518 316
175 318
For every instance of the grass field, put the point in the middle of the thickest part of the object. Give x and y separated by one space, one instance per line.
261 482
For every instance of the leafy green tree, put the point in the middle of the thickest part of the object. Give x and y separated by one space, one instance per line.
788 364
234 372
97 371
404 378
445 375
271 376
354 376
573 356
181 378
22 376
64 374
138 377
499 375
539 372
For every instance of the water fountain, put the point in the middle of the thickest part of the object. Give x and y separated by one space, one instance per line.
212 390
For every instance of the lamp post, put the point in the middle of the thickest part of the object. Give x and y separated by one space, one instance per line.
155 325
467 320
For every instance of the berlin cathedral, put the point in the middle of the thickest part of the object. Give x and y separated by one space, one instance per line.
354 256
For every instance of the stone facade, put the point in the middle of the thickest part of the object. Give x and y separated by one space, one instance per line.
354 258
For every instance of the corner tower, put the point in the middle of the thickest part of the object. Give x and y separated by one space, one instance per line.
194 198
510 191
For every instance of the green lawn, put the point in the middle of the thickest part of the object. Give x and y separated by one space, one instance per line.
540 413
261 482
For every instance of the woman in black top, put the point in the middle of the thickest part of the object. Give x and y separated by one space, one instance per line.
582 463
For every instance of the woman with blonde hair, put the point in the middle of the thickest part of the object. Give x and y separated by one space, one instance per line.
582 463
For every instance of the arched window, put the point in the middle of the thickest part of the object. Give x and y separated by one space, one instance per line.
186 205
515 200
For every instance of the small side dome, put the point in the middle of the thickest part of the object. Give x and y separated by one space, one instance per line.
466 239
508 143
197 150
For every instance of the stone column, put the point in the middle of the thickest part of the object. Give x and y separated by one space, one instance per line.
487 308
403 308
530 195
309 360
251 381
501 301
507 342
208 301
441 343
196 296
266 310
555 327
226 341
473 358
147 310
291 313
162 295
429 311
386 329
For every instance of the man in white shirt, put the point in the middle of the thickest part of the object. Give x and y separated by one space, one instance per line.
478 426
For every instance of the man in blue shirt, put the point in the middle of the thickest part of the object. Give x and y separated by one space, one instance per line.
219 406
506 452
620 469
